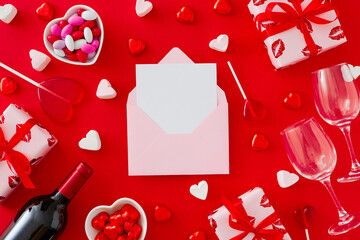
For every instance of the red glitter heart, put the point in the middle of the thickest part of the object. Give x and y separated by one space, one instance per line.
45 11
259 142
222 7
100 221
185 15
293 101
8 86
162 214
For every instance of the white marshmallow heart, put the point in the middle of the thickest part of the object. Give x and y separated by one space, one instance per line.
105 91
7 13
200 190
220 44
286 179
39 60
143 7
355 71
91 142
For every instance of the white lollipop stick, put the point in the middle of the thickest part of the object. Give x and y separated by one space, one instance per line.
237 81
29 80
307 234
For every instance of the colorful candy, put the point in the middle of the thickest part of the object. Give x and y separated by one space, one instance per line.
76 38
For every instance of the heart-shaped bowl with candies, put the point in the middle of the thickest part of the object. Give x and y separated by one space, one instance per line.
124 219
77 37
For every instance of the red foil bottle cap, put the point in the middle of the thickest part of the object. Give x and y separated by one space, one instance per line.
76 179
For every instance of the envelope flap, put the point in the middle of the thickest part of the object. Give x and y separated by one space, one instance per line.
175 56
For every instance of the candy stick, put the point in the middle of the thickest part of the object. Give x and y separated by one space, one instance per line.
29 80
305 217
237 81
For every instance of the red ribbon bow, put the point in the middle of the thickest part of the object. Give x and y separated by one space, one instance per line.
239 220
296 16
16 160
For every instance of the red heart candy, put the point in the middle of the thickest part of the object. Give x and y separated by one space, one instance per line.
121 237
253 110
100 221
8 85
112 231
305 216
198 235
136 47
45 11
222 7
129 213
162 214
185 15
259 142
117 218
101 236
128 225
134 232
293 101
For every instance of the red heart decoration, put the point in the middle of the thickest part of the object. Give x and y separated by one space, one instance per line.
185 15
259 142
117 218
8 85
253 110
100 221
305 216
198 235
222 7
45 11
136 46
112 231
60 107
121 237
128 225
162 214
134 232
101 236
129 213
293 101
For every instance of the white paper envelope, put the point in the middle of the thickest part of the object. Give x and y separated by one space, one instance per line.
152 151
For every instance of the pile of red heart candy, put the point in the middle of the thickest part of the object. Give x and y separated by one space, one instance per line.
121 225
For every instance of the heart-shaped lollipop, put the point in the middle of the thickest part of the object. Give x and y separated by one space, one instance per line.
57 96
305 216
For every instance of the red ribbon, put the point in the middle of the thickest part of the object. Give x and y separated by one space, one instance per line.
296 16
239 220
16 160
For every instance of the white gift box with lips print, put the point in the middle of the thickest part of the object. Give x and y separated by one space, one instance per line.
289 47
257 207
35 145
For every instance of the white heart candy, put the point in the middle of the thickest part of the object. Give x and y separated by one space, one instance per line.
91 142
143 7
286 179
89 15
355 71
7 13
105 91
220 44
39 60
200 190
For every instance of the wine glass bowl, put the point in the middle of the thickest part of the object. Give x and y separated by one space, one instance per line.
310 150
313 155
337 100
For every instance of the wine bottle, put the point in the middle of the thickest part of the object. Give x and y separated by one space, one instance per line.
44 217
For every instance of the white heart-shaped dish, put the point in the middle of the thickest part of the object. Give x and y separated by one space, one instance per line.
117 205
68 14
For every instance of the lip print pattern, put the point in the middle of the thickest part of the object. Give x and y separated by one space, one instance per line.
277 225
51 140
307 25
35 161
213 223
2 119
337 33
267 23
27 137
2 198
278 47
13 181
265 203
306 51
259 2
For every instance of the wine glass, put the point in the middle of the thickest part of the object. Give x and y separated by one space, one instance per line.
313 156
337 100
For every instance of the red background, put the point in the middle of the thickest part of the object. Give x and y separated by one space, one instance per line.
161 31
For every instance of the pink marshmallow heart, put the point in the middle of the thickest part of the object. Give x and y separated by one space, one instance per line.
143 7
7 13
39 60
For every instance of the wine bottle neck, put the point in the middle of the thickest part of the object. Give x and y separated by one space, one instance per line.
76 179
59 198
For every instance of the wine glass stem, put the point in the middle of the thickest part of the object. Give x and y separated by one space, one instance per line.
343 215
355 165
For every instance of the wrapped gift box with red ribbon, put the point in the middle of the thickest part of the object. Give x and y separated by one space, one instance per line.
294 30
249 217
23 144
